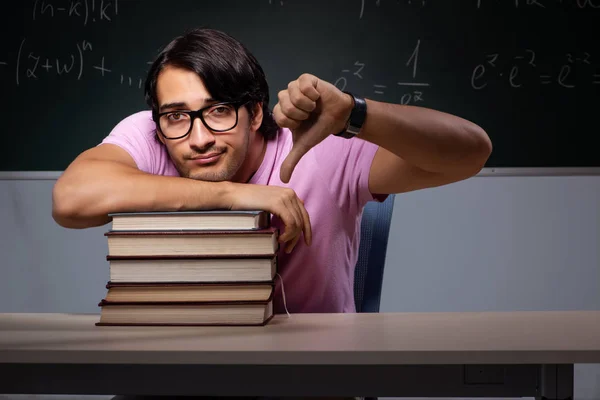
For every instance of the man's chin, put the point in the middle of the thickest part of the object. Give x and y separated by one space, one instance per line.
217 172
208 176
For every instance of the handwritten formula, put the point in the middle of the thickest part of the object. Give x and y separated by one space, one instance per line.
87 11
34 63
545 4
26 59
524 68
412 90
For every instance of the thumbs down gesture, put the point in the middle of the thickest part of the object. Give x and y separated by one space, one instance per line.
312 109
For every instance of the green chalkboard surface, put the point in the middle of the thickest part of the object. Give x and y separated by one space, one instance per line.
527 71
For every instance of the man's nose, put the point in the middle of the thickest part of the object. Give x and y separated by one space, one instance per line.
200 136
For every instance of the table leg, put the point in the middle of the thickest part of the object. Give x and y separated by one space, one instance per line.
555 382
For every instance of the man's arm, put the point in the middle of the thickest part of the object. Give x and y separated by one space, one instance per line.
421 147
105 179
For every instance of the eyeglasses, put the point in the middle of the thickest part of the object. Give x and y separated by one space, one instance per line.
219 117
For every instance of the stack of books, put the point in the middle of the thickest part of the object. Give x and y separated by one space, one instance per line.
190 268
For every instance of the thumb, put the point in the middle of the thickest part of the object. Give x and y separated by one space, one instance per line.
290 162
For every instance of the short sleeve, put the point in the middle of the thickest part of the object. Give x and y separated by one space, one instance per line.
136 135
347 165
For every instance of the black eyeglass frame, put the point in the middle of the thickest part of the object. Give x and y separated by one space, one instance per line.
198 114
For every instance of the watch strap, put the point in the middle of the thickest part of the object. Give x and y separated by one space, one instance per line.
356 119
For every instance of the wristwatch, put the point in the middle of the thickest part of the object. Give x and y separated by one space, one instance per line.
357 118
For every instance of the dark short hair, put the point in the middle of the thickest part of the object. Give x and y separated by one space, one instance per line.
228 70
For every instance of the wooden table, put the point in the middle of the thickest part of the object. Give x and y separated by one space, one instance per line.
468 354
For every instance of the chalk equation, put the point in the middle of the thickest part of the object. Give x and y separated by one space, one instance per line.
581 4
575 69
30 64
103 69
85 10
412 90
33 65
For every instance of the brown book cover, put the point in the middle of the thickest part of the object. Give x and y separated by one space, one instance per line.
105 303
191 220
260 323
211 313
192 268
190 256
193 243
110 284
173 292
222 233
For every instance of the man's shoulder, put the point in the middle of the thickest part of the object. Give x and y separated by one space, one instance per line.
136 134
141 121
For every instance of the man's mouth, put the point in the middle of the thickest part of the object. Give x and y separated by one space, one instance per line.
206 158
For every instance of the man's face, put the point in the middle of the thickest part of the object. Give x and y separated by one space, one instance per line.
203 154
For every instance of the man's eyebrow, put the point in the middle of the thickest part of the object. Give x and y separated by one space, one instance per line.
181 104
172 105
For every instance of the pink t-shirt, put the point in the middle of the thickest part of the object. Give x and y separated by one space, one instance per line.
331 179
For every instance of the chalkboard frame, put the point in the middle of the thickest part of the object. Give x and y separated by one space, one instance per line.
485 172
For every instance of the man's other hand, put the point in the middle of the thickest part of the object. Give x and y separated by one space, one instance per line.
279 201
312 109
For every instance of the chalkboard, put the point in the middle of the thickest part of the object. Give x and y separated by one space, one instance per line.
527 71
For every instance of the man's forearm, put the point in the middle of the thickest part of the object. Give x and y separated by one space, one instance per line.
86 196
429 139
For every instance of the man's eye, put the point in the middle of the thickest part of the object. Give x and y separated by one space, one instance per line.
176 116
221 111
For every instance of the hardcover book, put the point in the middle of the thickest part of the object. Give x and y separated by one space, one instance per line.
191 220
192 243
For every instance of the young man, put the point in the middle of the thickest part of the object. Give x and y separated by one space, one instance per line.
210 141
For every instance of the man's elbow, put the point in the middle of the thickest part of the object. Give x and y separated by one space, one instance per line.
484 148
479 152
64 219
64 206
67 209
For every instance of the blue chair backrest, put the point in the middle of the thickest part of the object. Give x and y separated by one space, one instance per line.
368 275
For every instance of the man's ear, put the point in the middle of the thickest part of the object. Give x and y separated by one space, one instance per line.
257 117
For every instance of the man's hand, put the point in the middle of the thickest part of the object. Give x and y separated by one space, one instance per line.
279 201
312 109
